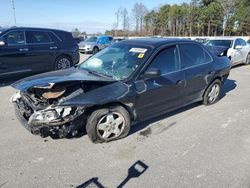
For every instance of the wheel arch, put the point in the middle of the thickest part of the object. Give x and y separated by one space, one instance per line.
215 78
111 104
64 54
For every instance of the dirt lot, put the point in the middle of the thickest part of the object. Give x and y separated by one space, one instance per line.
197 146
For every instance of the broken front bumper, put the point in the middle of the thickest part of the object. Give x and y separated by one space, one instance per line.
52 118
57 115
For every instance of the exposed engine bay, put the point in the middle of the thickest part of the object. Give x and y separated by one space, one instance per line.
41 109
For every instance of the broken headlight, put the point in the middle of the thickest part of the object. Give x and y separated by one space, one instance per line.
55 116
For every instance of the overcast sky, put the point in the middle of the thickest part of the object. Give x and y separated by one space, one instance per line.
87 15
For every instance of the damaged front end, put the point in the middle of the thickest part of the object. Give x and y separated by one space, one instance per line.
40 110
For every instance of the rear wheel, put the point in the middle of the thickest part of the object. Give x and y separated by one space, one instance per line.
108 124
62 62
212 93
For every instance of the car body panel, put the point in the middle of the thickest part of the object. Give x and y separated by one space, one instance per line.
46 79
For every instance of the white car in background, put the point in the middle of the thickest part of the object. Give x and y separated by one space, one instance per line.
236 49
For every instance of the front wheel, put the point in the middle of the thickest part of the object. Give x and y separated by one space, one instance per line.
212 93
108 124
248 60
95 50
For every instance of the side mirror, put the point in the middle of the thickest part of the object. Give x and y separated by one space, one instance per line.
2 43
238 47
152 73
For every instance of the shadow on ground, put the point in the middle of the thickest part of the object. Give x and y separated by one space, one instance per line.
136 170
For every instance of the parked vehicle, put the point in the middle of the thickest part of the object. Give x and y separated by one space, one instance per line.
95 44
130 81
79 39
236 49
29 50
201 40
117 40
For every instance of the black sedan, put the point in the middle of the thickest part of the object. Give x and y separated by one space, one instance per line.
130 81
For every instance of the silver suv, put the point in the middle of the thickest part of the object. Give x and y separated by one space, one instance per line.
94 44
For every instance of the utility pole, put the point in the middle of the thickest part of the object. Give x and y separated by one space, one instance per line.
14 10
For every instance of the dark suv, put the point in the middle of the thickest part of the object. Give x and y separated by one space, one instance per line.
30 50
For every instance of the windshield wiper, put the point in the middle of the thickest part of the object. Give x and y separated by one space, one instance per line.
99 74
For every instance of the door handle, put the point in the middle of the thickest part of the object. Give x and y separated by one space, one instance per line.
180 81
53 47
23 49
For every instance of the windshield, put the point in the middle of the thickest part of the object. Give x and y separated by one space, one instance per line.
226 43
118 61
91 39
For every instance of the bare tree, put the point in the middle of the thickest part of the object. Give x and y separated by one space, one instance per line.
228 9
124 15
139 11
117 13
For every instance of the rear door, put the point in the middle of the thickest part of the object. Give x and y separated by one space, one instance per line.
198 69
159 95
237 53
41 50
13 55
244 51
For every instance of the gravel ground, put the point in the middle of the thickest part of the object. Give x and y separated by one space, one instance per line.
197 146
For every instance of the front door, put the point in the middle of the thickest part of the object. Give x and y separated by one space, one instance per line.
156 96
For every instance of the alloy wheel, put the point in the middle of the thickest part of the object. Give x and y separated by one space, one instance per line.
110 126
63 63
214 93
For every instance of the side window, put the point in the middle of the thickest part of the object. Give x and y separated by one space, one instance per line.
242 42
193 55
14 38
166 60
36 37
237 42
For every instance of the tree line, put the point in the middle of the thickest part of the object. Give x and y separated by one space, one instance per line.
197 18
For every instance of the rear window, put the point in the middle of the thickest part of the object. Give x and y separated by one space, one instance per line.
193 55
226 43
37 37
64 36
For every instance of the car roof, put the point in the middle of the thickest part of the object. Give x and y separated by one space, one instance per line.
223 38
155 42
2 29
33 28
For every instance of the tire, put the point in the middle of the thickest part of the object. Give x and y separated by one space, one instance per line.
248 60
101 127
212 93
95 50
62 62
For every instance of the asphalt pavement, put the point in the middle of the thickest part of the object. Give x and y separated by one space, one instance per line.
196 146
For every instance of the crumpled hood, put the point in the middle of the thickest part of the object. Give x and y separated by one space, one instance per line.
50 78
217 50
